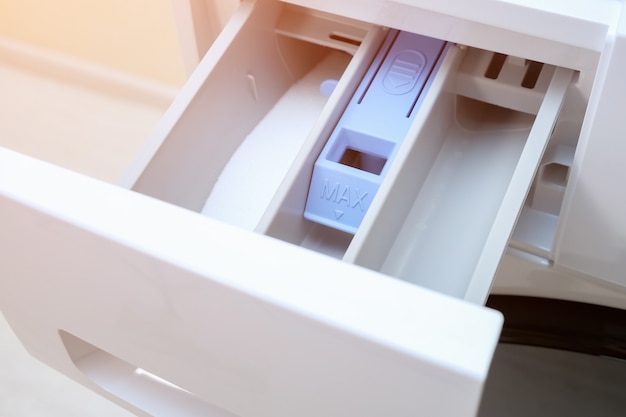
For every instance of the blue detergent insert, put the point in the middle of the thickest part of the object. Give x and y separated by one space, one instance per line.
358 153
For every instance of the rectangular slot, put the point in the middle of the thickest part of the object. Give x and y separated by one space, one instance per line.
344 39
363 161
532 74
556 174
506 81
352 143
495 66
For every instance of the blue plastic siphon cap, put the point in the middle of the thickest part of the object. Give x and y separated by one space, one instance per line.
358 153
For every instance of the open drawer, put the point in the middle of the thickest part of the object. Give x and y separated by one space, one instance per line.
445 211
143 293
448 204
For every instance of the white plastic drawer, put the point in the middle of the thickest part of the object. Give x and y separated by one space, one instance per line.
456 186
112 287
447 207
145 293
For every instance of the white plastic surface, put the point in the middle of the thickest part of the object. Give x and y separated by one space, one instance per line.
453 234
568 34
230 93
208 308
198 23
593 230
252 175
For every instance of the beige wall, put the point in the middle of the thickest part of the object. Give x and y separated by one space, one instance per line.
135 36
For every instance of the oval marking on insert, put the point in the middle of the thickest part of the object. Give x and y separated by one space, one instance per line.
405 69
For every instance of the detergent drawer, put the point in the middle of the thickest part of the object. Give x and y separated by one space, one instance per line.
240 144
198 287
170 313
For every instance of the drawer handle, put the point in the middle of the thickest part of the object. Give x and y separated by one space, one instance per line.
142 389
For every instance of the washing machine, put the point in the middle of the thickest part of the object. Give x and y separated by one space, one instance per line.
348 207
